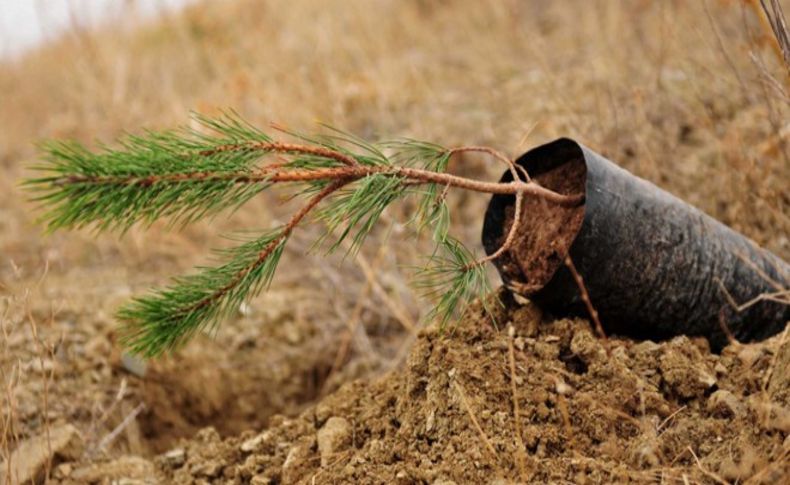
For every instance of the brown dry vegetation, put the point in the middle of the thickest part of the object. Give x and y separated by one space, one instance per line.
690 95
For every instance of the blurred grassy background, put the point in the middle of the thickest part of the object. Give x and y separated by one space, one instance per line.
690 95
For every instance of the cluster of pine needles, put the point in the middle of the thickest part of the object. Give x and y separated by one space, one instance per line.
188 174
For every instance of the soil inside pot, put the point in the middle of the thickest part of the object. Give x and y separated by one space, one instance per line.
546 231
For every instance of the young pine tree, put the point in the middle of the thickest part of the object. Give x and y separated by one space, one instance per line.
189 174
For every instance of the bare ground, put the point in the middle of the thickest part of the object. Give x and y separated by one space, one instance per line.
588 412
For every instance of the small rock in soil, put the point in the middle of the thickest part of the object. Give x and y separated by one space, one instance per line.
209 469
254 443
175 457
333 437
134 365
29 461
261 480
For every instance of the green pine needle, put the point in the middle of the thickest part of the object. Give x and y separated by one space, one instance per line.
340 141
432 211
453 280
163 320
118 206
113 189
358 208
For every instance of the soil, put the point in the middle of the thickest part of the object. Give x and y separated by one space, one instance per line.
589 411
545 232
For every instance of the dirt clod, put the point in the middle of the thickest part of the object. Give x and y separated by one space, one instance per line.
297 461
724 404
255 443
684 371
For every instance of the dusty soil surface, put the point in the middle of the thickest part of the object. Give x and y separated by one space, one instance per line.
589 411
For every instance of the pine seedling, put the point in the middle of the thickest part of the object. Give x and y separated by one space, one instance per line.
185 175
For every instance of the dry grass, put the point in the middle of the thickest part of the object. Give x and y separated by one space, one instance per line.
673 90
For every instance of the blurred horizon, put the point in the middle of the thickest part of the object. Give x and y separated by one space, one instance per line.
26 24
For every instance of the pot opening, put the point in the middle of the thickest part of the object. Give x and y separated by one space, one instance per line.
546 231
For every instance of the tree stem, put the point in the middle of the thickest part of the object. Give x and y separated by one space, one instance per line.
272 246
351 173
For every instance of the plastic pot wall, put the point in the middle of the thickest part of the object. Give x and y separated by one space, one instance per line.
653 265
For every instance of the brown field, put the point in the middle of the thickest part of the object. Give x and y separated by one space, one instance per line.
692 96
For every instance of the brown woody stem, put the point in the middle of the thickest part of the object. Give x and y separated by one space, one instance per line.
345 173
351 171
511 235
514 171
497 155
272 246
586 298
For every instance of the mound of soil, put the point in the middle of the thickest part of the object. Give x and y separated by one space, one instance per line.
589 411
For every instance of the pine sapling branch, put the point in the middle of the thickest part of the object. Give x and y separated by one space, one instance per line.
186 175
169 325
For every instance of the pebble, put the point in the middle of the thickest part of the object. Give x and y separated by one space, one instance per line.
562 388
134 365
332 438
29 460
430 420
254 443
64 470
175 457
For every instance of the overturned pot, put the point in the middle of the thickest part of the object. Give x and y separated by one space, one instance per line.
654 267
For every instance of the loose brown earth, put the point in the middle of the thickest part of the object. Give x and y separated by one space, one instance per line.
589 412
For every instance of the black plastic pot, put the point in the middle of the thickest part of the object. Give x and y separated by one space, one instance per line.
654 266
